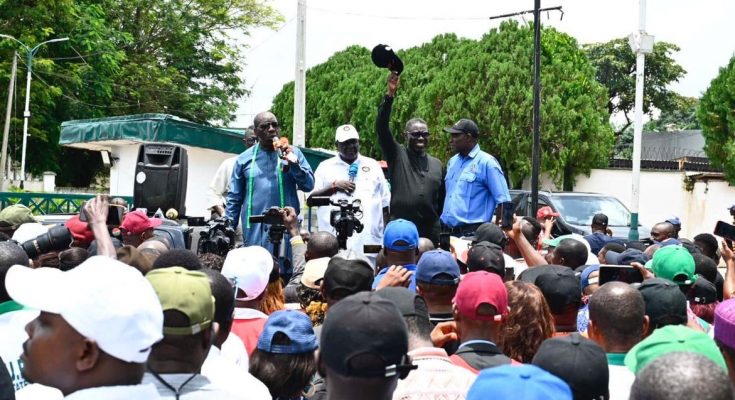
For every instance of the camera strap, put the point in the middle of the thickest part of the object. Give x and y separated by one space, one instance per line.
251 177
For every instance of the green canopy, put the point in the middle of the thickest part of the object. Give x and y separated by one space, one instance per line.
160 128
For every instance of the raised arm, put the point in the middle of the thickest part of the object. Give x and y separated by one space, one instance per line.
387 142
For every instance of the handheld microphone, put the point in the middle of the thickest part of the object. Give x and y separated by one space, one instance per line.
276 143
352 172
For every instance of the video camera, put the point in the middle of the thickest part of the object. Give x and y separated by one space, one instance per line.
57 238
346 220
218 238
272 217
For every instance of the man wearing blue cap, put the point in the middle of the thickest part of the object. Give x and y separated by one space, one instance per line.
401 250
437 278
475 183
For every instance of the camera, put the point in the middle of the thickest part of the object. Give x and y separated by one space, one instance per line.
218 238
273 217
57 238
346 220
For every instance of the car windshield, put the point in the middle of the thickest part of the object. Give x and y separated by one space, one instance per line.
579 210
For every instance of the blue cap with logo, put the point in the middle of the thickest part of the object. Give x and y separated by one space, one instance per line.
527 382
401 235
293 324
437 267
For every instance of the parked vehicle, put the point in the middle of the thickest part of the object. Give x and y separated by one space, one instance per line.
576 210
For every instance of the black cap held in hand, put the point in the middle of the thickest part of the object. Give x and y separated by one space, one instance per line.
384 57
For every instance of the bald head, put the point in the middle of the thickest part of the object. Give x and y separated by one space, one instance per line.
154 244
425 245
662 231
570 253
617 312
321 244
260 117
681 375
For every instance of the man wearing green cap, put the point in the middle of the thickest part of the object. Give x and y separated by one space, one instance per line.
669 339
11 217
175 362
674 263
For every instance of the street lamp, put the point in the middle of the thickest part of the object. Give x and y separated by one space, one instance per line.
641 44
30 52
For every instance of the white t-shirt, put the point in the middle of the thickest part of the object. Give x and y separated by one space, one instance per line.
12 336
232 378
371 189
220 184
621 379
234 350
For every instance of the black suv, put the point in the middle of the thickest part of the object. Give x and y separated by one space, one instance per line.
577 209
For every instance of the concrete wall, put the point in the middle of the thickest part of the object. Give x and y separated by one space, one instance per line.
662 195
203 163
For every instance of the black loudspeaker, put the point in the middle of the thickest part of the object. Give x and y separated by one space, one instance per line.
160 178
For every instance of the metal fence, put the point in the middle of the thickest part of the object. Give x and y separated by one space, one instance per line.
49 203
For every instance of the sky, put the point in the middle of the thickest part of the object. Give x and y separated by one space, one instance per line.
704 31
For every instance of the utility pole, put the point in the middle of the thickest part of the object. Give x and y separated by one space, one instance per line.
641 44
299 98
536 146
30 52
6 128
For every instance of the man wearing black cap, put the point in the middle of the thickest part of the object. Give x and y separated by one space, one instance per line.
475 183
417 179
599 237
363 348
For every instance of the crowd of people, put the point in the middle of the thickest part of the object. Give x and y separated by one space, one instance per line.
507 312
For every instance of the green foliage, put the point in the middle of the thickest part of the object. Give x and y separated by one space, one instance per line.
123 57
681 116
616 65
717 114
489 81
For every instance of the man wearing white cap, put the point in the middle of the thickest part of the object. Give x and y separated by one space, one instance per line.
352 176
248 268
95 331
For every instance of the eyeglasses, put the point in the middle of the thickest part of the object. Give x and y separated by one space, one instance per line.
267 125
416 135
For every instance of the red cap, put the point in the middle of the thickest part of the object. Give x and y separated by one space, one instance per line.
477 288
136 222
80 230
546 212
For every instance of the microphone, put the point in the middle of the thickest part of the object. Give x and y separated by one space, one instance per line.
352 172
276 144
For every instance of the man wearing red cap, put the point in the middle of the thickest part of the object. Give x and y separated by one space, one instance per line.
136 228
480 308
546 216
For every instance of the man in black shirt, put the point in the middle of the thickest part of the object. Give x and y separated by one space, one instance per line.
416 178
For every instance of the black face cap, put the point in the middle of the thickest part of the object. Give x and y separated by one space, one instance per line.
464 125
384 57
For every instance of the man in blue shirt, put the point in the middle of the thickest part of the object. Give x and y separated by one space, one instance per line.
401 250
475 183
261 180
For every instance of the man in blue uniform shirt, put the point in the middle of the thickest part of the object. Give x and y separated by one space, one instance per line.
475 183
261 180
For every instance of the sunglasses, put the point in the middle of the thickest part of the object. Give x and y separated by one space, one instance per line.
416 135
267 125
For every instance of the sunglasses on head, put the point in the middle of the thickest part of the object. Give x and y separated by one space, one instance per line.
417 135
267 125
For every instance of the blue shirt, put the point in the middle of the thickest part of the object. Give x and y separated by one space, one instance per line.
410 267
266 193
475 184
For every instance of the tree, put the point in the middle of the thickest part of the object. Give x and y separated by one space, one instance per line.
125 57
489 80
616 65
681 116
717 114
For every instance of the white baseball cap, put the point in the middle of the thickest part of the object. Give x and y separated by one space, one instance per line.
249 269
29 231
103 299
345 133
314 272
